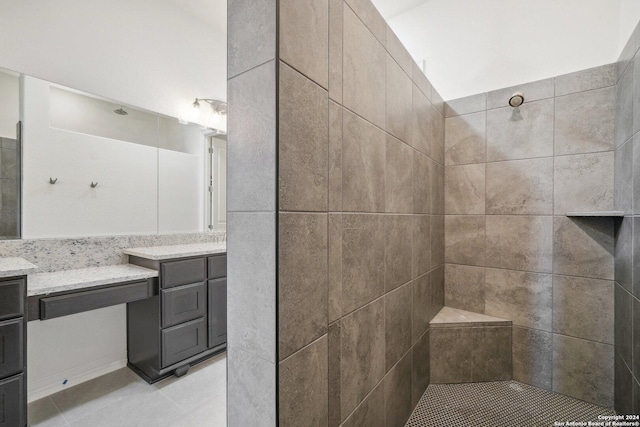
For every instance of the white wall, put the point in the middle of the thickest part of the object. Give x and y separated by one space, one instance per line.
150 53
473 46
629 16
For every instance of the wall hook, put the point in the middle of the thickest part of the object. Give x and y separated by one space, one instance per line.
52 181
94 184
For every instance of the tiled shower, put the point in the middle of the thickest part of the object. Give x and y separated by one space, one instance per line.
366 203
9 188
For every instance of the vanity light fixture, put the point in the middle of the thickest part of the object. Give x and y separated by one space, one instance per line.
218 107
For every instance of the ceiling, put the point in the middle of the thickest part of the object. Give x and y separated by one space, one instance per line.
390 8
208 12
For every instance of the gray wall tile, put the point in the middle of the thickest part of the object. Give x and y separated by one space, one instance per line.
398 250
524 298
252 140
421 306
334 375
419 132
397 324
626 56
464 287
464 189
589 79
368 13
466 105
529 137
251 390
636 259
304 38
624 106
363 354
636 338
421 81
520 243
623 178
436 277
624 324
435 134
303 385
422 173
636 175
398 185
624 253
451 355
465 139
583 247
398 52
370 412
397 393
335 267
364 70
421 244
623 387
583 308
533 357
520 187
585 121
420 375
363 162
335 157
583 183
583 369
399 100
336 21
635 68
465 239
303 143
362 260
251 274
302 280
251 34
437 240
437 188
534 91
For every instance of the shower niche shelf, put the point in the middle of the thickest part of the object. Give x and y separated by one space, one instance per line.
600 214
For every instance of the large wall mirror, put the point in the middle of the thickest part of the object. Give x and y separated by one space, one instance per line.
82 165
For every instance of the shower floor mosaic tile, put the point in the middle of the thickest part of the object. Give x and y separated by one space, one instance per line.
498 404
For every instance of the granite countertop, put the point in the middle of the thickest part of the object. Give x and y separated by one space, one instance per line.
449 317
67 280
10 267
159 253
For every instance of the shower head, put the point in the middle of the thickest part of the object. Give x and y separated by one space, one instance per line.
516 100
120 111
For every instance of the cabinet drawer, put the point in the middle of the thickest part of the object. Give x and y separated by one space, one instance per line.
183 272
183 303
13 402
217 266
11 348
12 299
217 312
183 341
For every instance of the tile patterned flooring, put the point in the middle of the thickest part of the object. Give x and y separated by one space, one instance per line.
498 404
122 399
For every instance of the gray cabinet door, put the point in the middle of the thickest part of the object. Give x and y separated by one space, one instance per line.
11 347
12 299
217 266
183 303
217 312
13 402
183 341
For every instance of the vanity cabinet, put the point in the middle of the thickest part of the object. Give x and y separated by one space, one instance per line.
182 325
13 350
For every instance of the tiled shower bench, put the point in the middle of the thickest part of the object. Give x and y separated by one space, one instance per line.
469 347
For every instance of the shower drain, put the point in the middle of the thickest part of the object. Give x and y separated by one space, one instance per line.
498 404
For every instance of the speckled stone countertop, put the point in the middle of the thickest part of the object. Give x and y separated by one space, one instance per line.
67 280
10 267
454 318
159 253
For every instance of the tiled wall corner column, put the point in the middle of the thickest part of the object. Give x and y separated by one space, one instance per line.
252 216
627 245
360 220
510 250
